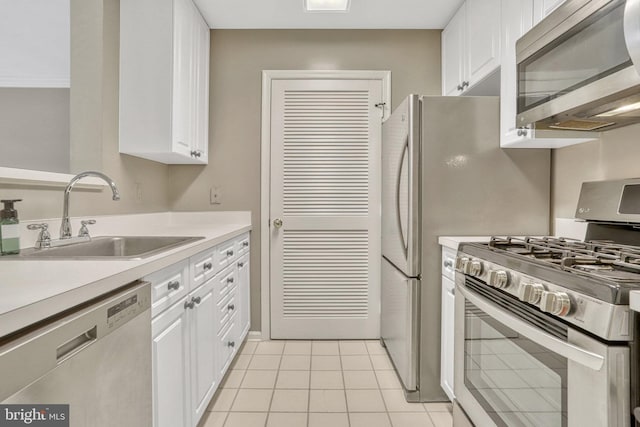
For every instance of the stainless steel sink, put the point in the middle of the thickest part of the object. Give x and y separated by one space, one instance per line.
110 247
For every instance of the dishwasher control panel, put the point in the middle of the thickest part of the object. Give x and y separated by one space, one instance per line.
127 307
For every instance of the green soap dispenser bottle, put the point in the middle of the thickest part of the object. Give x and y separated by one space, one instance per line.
9 230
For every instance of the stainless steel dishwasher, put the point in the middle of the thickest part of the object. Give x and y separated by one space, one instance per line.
95 358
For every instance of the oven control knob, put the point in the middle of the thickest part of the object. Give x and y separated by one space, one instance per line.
473 268
499 279
530 292
460 263
556 303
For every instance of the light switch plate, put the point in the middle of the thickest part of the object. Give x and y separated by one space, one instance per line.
215 196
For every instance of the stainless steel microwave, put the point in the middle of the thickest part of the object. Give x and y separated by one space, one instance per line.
578 69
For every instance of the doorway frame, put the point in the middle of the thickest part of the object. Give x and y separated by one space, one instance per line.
268 76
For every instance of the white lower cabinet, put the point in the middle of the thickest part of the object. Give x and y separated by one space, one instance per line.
196 338
170 352
204 378
244 298
447 321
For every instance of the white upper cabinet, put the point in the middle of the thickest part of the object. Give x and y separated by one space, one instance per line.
542 8
453 54
164 81
483 39
471 49
518 18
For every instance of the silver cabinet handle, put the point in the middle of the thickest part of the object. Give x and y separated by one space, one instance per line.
460 87
522 132
448 263
196 300
569 351
231 344
189 304
207 266
231 307
229 253
245 244
465 84
240 264
174 284
277 223
229 279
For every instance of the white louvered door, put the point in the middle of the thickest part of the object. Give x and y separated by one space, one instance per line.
325 188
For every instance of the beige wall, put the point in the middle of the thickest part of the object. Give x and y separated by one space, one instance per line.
616 155
237 60
96 125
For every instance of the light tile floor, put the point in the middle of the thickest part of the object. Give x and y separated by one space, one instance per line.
317 384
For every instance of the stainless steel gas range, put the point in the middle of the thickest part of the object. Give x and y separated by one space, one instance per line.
544 333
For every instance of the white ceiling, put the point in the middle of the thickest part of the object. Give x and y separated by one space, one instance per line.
364 14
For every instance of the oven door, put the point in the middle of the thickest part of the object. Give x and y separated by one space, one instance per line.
516 366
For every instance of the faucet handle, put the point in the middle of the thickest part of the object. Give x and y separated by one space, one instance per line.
44 238
84 230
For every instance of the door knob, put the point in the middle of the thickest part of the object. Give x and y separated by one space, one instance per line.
277 223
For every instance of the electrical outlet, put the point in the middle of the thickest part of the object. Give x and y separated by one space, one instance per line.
138 192
215 195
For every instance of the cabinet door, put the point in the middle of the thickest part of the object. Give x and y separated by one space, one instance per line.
204 380
446 350
170 352
483 38
182 76
517 19
244 299
544 8
453 54
200 64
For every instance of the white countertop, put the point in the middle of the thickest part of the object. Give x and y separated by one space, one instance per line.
453 241
31 290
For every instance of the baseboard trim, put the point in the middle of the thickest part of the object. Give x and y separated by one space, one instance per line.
254 336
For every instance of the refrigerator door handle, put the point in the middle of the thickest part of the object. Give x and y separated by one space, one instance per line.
402 227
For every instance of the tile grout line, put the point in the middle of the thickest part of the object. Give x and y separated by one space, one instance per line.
273 390
235 396
378 382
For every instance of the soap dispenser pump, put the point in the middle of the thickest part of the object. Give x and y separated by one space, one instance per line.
9 230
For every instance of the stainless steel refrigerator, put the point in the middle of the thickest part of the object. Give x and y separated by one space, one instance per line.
444 173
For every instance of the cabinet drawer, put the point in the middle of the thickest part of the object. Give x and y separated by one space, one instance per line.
227 345
202 267
168 286
242 244
224 254
226 310
225 281
448 263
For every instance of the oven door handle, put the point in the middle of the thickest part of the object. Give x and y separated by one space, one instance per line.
571 352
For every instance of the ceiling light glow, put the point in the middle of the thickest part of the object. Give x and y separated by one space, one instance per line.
327 5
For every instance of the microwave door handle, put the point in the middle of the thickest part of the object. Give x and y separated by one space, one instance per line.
574 353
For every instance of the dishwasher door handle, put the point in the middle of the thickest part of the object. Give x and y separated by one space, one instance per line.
76 345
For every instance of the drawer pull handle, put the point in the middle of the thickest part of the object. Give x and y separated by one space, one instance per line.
245 244
229 279
174 284
448 263
231 344
196 300
231 307
189 304
208 266
229 253
241 264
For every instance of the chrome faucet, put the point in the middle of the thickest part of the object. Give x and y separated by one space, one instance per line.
65 228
